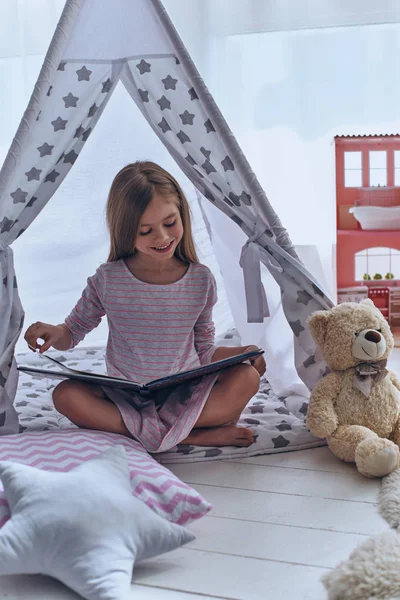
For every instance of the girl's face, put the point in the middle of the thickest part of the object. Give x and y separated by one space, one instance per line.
160 229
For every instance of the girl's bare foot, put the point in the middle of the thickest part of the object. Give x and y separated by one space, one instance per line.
228 435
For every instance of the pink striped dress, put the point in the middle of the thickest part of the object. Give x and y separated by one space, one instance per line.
154 331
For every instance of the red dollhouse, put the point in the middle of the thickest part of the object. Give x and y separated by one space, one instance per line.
368 220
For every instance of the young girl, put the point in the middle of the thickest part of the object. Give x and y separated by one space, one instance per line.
158 300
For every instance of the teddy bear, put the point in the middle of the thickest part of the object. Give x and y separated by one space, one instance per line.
356 404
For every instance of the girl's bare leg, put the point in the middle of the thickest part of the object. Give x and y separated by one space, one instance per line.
87 406
229 396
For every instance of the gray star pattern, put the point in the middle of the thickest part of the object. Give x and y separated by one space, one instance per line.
187 118
164 103
235 199
144 67
309 361
297 327
144 95
31 202
19 196
59 124
86 134
282 411
61 66
208 167
164 126
52 176
70 157
93 110
206 153
209 126
190 160
5 225
70 101
107 85
192 94
182 137
227 164
79 132
280 442
245 198
83 74
303 297
45 150
33 174
169 83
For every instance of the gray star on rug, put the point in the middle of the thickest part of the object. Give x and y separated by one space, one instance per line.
49 90
164 126
45 150
303 297
52 176
164 103
227 164
79 132
5 225
93 110
19 196
143 67
33 174
296 327
70 157
235 199
280 442
169 83
31 202
206 153
2 380
192 94
182 137
209 126
245 198
187 118
144 95
70 101
83 74
190 160
86 134
61 66
309 362
208 167
107 85
59 124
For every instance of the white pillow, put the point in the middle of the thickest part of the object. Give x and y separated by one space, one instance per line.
82 527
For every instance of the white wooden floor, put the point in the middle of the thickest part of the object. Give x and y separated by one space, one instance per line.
279 522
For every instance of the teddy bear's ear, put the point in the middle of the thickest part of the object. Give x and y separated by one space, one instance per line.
368 302
318 323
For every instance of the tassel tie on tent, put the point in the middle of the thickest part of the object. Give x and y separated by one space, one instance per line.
250 261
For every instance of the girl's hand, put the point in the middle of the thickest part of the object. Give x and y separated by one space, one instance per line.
258 362
50 334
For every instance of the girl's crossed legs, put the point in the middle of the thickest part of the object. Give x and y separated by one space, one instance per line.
87 406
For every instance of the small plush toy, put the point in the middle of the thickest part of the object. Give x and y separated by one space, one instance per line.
356 406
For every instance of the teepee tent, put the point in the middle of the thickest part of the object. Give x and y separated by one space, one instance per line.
96 46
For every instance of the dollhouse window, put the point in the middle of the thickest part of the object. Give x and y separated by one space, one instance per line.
377 168
397 167
377 261
352 169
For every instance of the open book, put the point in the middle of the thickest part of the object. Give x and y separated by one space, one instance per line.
65 372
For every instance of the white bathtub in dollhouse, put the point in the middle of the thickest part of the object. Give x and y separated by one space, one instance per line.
377 217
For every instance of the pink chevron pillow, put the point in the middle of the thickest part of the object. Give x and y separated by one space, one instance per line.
64 449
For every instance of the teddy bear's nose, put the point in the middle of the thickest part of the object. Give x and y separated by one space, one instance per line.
373 336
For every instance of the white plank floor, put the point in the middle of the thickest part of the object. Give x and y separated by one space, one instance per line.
278 523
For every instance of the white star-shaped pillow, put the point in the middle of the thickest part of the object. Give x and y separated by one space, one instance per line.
83 527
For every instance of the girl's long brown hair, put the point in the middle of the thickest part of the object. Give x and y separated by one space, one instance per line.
130 194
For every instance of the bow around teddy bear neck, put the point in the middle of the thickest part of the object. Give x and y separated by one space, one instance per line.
369 373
